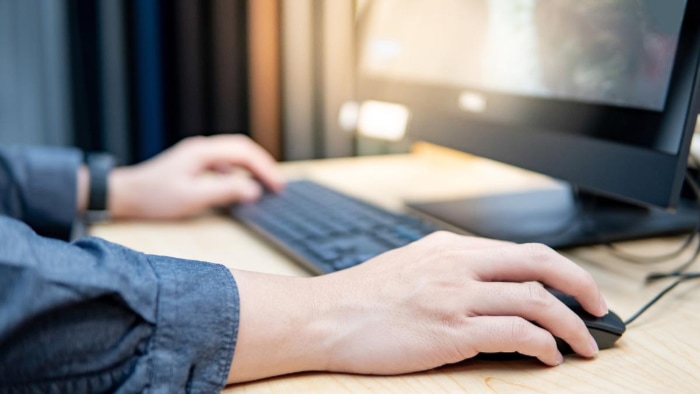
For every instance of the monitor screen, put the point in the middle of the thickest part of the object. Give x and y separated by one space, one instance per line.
602 94
598 51
507 79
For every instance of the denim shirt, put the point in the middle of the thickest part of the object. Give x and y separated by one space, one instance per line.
92 316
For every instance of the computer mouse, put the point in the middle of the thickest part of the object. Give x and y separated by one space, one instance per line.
605 330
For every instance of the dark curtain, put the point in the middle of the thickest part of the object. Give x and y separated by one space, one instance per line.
147 73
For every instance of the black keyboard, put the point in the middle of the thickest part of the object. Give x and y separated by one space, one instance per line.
325 230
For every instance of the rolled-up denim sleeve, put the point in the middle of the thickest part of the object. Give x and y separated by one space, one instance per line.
38 186
92 316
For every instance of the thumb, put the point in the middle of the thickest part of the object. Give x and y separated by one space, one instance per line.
222 190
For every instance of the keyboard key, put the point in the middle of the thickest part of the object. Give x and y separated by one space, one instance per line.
327 230
346 262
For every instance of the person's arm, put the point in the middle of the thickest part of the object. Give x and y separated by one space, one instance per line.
93 316
38 186
96 317
437 301
47 187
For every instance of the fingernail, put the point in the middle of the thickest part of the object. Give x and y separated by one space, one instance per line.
594 346
250 193
603 306
559 360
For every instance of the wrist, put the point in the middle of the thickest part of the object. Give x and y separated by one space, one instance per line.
282 328
83 189
121 201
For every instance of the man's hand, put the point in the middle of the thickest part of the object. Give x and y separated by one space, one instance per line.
437 301
196 174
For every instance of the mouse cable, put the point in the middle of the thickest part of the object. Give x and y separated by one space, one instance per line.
621 254
680 269
617 252
681 277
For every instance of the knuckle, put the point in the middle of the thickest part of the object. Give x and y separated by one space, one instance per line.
541 341
240 139
440 244
193 143
195 140
519 330
537 295
440 237
529 339
540 253
450 318
232 140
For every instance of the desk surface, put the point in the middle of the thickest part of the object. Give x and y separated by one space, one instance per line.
659 353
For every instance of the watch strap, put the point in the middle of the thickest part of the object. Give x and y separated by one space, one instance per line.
99 166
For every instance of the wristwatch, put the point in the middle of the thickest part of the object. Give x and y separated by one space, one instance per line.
99 165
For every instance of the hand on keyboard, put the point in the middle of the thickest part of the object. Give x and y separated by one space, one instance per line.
197 174
439 300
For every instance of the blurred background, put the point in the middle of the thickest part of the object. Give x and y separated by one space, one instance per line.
133 77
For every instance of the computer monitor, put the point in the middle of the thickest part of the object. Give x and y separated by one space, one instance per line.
602 94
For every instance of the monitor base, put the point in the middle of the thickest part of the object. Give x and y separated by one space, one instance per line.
559 218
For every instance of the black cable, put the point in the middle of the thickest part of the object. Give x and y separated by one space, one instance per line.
681 278
666 275
678 270
684 246
619 253
678 273
660 275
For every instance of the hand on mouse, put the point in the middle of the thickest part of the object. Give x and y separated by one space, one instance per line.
192 176
437 301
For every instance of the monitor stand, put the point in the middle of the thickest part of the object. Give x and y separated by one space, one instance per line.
560 218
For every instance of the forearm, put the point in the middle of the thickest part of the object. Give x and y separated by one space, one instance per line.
96 315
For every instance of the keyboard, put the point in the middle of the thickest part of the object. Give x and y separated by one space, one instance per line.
325 230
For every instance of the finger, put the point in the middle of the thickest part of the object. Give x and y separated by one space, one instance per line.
509 334
240 151
533 303
221 168
535 262
223 190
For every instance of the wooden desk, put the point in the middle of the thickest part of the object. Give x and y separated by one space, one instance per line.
659 353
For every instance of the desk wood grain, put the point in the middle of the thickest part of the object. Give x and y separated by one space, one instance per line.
659 353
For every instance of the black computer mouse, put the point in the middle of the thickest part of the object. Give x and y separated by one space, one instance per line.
605 330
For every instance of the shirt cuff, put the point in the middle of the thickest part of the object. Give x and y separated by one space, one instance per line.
198 314
50 187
